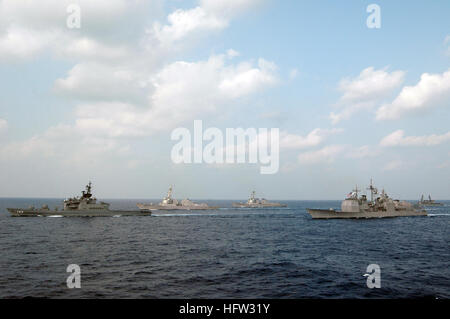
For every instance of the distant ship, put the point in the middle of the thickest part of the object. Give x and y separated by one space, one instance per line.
429 202
254 202
82 206
382 206
168 203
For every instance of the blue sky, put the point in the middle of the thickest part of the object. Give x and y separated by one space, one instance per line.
100 102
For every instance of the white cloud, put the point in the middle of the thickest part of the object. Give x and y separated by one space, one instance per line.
229 8
107 82
68 144
232 53
131 87
431 90
325 155
185 22
89 49
21 43
133 77
362 152
3 124
394 165
314 138
180 92
27 28
112 119
293 74
398 138
126 79
245 79
365 90
445 163
287 141
185 90
210 15
330 153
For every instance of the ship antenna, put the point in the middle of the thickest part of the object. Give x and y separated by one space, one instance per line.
371 188
356 190
169 193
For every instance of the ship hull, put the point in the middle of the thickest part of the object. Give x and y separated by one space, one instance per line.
236 205
19 212
146 207
334 214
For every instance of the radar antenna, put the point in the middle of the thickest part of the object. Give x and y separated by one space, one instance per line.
87 193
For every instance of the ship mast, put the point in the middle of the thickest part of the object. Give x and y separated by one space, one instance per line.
356 190
373 190
169 193
88 193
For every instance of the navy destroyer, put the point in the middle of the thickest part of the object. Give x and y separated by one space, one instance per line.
429 202
254 202
169 203
82 206
359 207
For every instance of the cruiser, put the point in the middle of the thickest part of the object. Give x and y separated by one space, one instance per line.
254 202
168 203
82 206
359 207
428 202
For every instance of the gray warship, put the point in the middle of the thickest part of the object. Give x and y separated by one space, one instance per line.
82 206
359 207
169 203
254 202
429 202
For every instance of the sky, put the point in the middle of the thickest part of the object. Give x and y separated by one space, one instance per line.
100 102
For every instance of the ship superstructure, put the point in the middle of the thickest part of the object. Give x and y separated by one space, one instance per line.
254 202
429 202
379 206
170 203
79 206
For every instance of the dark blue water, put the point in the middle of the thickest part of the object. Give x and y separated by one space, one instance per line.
229 253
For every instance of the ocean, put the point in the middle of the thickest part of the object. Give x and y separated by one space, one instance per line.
228 253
